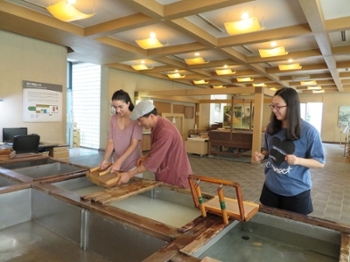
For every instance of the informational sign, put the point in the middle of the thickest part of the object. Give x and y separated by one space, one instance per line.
42 102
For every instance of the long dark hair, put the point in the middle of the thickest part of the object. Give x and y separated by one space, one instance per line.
123 96
290 96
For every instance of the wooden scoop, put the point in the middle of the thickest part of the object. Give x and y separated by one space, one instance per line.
113 181
104 172
93 169
108 171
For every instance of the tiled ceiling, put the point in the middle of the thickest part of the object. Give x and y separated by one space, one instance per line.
315 33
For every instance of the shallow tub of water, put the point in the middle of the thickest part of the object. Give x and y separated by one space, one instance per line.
270 238
27 162
5 181
38 227
49 170
143 198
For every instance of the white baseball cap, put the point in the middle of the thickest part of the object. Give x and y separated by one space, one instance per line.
142 108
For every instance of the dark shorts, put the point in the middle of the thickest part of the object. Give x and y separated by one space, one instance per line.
300 203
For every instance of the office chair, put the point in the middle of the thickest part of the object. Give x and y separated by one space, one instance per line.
26 143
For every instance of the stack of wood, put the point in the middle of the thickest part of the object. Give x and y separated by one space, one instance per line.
7 153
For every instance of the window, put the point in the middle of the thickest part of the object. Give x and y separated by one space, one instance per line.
86 93
217 109
312 113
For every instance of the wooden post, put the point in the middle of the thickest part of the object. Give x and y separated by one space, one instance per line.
231 124
257 127
200 200
222 204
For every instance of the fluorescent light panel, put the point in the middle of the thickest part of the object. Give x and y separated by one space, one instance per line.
175 75
66 12
200 82
148 43
243 26
244 79
195 61
290 67
225 72
141 67
259 85
308 83
314 87
318 91
277 51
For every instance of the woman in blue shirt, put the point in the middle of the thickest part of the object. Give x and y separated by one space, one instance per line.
292 146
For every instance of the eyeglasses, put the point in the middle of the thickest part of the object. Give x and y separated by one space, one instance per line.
272 107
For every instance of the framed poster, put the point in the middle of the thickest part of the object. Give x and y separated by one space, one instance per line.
241 117
42 102
344 116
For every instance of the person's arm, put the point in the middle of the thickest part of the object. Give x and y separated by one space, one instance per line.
142 159
259 156
315 156
108 152
117 164
306 162
126 176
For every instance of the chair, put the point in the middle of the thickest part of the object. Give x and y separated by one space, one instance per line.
26 143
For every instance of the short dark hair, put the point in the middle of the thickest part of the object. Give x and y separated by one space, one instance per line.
153 112
291 97
123 96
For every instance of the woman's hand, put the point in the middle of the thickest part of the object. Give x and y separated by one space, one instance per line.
258 156
292 159
115 167
104 164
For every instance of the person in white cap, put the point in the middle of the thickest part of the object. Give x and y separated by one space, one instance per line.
167 158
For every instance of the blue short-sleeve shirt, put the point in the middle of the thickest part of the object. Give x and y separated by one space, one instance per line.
291 180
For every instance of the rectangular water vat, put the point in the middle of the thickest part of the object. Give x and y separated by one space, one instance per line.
35 226
160 203
271 238
48 170
27 162
6 181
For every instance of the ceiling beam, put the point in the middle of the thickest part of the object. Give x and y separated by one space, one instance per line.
266 35
118 25
192 7
314 16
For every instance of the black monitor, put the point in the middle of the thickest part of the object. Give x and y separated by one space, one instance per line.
9 132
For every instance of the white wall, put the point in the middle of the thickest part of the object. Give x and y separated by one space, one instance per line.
23 58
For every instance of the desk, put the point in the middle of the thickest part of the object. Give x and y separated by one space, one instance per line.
41 148
49 146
